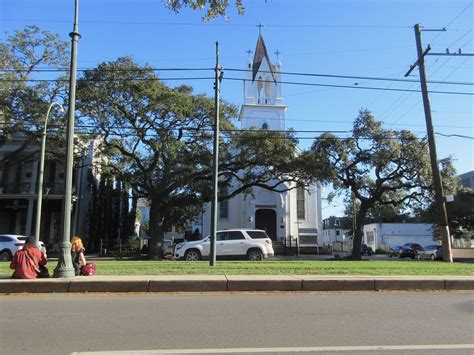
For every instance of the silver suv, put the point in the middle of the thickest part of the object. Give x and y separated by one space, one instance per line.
251 244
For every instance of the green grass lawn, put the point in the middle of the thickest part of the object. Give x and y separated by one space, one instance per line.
319 267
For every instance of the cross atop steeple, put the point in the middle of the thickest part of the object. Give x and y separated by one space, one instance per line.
277 53
249 52
260 27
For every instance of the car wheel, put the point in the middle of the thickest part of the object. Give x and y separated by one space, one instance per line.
192 255
254 255
432 257
5 256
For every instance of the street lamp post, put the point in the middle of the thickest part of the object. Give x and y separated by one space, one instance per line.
65 267
41 171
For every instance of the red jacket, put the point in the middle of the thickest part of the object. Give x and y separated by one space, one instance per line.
26 267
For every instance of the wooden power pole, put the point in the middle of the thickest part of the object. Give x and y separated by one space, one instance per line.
439 196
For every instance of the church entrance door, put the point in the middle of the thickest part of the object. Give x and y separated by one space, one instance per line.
266 219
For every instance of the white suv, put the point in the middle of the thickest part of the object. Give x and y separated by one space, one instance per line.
252 244
11 243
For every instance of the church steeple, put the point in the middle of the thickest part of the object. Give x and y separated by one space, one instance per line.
263 106
260 55
262 82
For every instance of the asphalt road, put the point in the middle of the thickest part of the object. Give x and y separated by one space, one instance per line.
396 323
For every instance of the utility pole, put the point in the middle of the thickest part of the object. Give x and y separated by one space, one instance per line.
65 267
439 195
215 160
354 218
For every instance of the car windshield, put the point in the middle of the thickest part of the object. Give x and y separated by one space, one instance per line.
257 234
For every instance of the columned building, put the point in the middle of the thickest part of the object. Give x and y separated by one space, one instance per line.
19 190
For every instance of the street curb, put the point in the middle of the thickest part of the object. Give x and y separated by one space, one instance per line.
263 283
419 284
459 285
338 285
236 283
187 286
108 286
33 286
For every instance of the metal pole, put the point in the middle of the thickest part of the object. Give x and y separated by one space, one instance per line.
41 171
65 267
215 160
440 205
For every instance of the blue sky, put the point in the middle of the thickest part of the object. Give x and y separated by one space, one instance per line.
366 38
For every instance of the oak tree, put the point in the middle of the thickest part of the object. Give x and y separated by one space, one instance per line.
380 167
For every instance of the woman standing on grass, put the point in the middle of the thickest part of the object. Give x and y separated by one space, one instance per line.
77 252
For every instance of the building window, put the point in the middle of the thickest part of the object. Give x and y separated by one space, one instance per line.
300 203
265 126
224 209
337 222
466 182
224 205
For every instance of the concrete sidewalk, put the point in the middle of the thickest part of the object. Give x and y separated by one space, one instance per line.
226 283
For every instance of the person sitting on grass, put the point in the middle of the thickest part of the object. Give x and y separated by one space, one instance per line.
77 253
29 262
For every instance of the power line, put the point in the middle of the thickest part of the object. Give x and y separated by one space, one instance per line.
459 14
360 87
353 77
108 80
454 135
209 130
239 79
289 119
40 70
243 70
432 41
200 24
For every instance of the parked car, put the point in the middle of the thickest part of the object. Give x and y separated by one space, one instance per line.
431 252
414 246
394 251
169 244
11 243
365 249
252 244
406 252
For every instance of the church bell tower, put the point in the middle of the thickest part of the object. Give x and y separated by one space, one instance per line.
263 106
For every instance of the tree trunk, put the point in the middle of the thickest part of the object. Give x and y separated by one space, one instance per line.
357 241
155 244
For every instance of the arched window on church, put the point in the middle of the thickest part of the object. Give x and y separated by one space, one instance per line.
267 89
300 203
259 90
265 126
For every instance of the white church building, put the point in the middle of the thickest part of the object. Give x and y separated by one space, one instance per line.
295 214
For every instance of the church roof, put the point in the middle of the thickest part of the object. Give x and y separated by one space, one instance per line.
260 53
